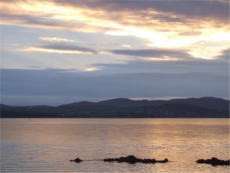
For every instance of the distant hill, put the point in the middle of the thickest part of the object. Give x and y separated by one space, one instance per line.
205 107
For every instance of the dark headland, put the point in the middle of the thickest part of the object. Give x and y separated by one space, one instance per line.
205 107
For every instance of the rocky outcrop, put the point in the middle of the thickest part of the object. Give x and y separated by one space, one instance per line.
132 160
214 161
78 160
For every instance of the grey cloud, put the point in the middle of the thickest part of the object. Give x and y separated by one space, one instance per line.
9 1
156 53
197 9
68 47
217 67
26 18
42 20
201 10
69 86
224 55
152 53
167 18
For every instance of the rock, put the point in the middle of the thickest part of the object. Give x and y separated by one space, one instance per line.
214 161
149 161
163 161
78 160
132 160
200 161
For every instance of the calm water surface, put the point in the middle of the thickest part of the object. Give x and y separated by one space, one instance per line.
47 145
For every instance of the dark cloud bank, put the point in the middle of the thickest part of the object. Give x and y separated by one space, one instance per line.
53 87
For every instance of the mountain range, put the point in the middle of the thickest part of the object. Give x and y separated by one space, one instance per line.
205 107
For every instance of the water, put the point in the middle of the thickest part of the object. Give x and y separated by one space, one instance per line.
47 145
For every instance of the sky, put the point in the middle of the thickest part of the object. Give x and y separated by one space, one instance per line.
61 51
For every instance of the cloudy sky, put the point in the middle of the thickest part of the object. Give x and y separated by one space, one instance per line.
62 51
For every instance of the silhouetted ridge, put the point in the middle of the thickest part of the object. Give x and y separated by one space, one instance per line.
206 102
206 107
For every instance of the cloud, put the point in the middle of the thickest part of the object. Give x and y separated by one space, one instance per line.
68 86
152 53
215 67
84 14
55 39
224 55
42 21
60 48
196 9
162 23
64 45
89 68
61 45
68 47
215 10
48 15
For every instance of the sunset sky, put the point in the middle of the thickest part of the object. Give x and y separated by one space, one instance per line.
62 51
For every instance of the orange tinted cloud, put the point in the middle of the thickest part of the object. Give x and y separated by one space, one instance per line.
161 25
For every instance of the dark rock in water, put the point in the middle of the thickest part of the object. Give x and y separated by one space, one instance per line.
78 160
148 161
200 161
132 160
163 161
214 161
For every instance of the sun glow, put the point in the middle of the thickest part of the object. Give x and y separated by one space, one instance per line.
89 69
165 58
56 39
48 50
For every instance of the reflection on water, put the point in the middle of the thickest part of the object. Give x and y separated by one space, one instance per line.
36 145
